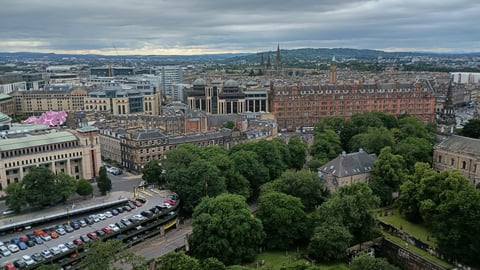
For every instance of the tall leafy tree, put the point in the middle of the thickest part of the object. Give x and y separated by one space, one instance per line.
223 228
248 164
152 172
366 261
330 242
103 181
40 185
66 185
373 140
16 197
471 129
283 219
177 261
84 188
303 184
212 264
326 144
352 207
388 173
103 254
274 155
298 152
199 179
414 150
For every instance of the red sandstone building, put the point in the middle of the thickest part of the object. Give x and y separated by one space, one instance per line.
297 106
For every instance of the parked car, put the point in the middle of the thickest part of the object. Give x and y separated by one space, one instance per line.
30 243
127 208
126 222
107 230
146 213
38 240
37 257
10 266
102 216
5 251
85 238
100 233
82 222
22 246
76 224
39 232
63 248
170 202
28 260
69 228
20 264
46 254
120 225
137 203
46 237
78 241
89 220
70 245
92 235
114 212
120 210
8 212
54 234
55 250
114 227
13 248
59 231
108 214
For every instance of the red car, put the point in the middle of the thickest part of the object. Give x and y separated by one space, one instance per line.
54 234
170 202
92 235
107 230
78 242
137 203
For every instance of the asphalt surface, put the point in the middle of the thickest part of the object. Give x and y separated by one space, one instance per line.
122 188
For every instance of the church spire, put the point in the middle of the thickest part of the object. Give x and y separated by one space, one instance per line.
278 59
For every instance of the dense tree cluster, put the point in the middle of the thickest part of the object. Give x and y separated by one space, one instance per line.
471 129
398 142
447 203
41 188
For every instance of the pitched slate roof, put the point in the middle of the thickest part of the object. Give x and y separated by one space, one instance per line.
459 144
349 164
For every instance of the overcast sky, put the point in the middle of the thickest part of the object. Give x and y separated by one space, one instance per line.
219 26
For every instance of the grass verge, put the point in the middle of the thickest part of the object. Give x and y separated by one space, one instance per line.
274 260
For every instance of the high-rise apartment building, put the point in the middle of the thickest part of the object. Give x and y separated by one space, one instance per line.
171 76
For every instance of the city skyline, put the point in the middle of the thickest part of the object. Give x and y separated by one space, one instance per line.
202 27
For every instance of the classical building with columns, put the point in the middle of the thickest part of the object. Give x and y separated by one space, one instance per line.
228 97
74 152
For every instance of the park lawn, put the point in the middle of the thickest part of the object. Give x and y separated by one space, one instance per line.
274 260
416 230
418 251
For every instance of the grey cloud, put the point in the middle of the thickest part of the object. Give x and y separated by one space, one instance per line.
248 25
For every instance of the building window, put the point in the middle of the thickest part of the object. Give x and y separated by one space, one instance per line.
452 162
464 165
439 159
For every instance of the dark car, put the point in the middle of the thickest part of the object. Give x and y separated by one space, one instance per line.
37 257
132 205
89 220
114 212
15 241
146 213
127 208
20 264
69 228
100 233
120 225
22 245
120 210
75 225
154 210
85 238
30 243
38 240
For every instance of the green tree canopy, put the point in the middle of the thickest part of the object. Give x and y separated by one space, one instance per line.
177 261
40 185
414 150
103 181
84 188
373 140
152 172
387 175
103 254
471 129
16 197
248 164
365 261
298 152
302 184
326 144
329 242
66 185
224 228
283 219
351 206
